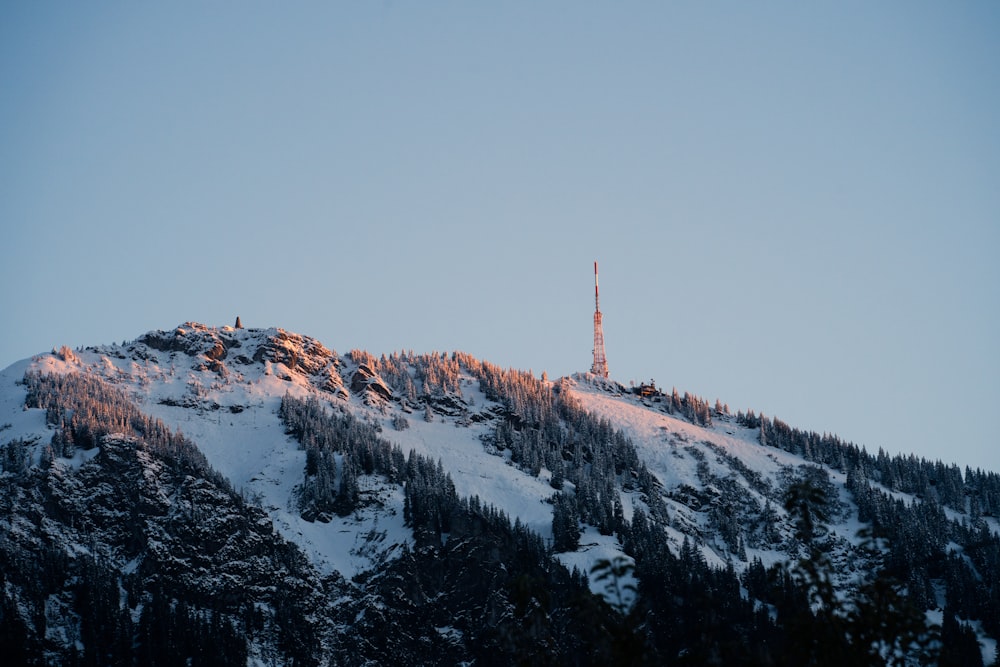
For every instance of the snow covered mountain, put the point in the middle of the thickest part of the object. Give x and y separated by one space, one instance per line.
249 496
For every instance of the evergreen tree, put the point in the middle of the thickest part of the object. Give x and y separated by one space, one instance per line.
565 523
878 626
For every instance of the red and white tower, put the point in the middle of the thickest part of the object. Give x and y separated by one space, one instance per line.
600 366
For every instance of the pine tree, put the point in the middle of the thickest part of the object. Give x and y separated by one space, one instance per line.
558 477
565 524
347 494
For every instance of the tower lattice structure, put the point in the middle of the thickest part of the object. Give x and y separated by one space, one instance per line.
600 366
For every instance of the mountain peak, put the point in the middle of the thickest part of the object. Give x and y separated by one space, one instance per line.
438 485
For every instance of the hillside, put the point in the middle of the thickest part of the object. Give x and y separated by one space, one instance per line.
250 496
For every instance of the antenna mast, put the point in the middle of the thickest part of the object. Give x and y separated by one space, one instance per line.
600 366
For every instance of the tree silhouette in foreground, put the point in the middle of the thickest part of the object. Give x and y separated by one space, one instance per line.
877 625
628 646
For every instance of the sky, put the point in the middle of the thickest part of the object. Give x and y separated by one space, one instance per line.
795 206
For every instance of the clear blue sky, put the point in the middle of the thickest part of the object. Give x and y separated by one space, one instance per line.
796 206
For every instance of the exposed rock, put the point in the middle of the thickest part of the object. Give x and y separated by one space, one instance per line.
333 383
365 380
448 404
296 352
192 339
217 352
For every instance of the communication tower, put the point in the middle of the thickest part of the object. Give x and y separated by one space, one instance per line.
600 366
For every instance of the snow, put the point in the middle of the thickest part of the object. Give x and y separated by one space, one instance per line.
349 545
234 422
988 647
660 438
233 419
475 472
17 422
595 547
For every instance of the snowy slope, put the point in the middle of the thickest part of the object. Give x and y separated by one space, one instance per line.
232 416
673 448
222 388
233 419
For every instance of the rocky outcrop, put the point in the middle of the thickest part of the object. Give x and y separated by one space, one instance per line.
298 353
215 347
194 340
366 382
135 519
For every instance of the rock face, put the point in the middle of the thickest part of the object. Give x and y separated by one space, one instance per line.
194 340
366 382
300 355
130 519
